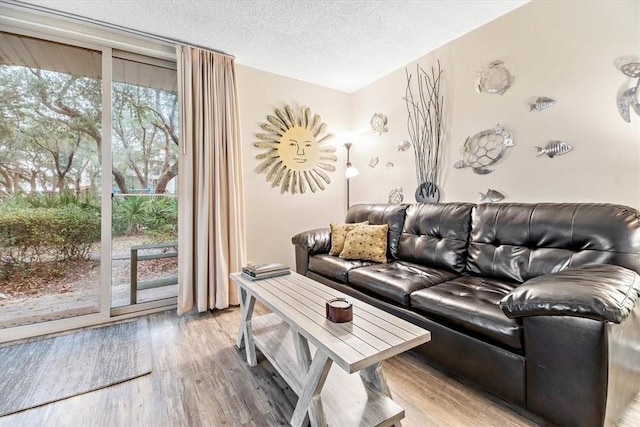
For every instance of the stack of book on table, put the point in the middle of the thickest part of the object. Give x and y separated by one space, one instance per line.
265 271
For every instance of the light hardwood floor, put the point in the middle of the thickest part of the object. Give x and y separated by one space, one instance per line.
199 378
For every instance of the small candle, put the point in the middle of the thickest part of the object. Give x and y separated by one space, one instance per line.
340 303
339 310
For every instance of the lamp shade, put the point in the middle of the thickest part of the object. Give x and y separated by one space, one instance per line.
351 171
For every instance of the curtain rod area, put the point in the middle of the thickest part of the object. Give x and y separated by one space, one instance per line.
102 25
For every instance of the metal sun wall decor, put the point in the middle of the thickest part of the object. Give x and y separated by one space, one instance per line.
424 124
494 79
631 96
484 149
554 148
379 123
297 153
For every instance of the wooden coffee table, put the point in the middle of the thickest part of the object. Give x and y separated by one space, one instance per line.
326 394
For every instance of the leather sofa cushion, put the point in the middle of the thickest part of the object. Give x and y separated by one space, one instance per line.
606 293
396 281
471 304
436 234
334 267
378 214
521 241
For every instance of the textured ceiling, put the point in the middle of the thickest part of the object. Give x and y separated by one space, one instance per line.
343 45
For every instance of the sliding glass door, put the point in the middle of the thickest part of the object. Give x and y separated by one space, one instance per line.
88 191
50 180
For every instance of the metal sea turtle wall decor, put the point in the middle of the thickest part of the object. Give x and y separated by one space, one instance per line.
395 195
484 149
379 123
494 79
631 96
298 156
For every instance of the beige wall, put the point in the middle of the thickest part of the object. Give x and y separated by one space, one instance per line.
273 218
565 50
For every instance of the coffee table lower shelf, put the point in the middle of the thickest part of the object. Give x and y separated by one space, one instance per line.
346 399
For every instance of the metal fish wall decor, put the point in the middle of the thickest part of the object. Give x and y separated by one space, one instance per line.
404 145
554 148
541 103
492 196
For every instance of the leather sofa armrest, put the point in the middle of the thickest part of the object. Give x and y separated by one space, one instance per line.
600 292
313 241
309 243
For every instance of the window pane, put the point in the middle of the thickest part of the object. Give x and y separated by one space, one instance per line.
145 167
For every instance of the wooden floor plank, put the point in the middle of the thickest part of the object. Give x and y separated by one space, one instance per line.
199 378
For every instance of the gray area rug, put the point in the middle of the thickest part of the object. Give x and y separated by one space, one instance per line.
39 372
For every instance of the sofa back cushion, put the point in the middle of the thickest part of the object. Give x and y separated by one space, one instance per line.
436 235
519 241
379 214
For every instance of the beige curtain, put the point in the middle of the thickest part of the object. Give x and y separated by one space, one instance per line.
211 230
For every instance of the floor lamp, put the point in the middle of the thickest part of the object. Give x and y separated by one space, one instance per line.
350 171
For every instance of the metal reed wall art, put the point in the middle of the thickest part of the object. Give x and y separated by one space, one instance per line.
425 129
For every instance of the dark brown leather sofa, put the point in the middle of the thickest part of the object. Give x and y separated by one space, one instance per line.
536 303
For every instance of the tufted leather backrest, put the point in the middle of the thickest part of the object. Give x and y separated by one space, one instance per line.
520 241
436 234
378 214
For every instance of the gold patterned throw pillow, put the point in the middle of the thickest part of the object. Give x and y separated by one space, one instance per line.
338 234
367 243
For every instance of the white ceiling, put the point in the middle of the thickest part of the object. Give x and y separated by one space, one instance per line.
340 44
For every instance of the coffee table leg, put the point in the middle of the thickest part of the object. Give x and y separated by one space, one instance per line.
304 362
242 294
309 400
375 378
302 351
245 334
